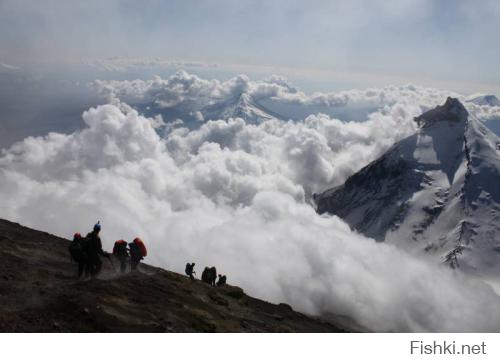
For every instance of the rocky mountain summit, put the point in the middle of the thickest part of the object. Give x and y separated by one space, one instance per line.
434 191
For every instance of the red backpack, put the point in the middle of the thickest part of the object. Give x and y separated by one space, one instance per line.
141 246
120 248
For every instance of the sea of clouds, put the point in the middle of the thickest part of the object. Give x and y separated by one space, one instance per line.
236 194
185 90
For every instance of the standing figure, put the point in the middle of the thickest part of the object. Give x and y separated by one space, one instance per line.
190 270
120 251
222 280
94 250
213 275
209 275
137 252
79 255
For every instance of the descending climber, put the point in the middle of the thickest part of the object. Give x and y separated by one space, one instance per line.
205 275
222 280
209 275
94 250
120 251
190 270
213 275
77 249
137 252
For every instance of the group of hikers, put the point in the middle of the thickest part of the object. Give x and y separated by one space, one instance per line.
87 252
208 276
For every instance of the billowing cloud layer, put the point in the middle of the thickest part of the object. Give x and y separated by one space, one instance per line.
314 154
484 113
233 194
184 90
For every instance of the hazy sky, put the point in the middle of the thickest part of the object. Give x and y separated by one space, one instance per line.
443 41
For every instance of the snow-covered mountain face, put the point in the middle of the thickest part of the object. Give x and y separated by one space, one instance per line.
487 109
243 106
486 100
435 191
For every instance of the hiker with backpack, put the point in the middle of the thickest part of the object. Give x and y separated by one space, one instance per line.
120 251
79 255
94 250
137 252
209 275
213 275
190 270
204 275
222 280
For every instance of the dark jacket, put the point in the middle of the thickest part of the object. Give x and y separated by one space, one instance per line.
94 245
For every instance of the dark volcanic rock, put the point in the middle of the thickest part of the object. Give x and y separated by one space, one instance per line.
39 293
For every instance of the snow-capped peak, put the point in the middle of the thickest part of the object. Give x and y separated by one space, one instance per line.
434 191
485 100
242 106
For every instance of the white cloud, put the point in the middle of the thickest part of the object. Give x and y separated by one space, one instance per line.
232 194
315 154
484 113
8 67
184 91
122 64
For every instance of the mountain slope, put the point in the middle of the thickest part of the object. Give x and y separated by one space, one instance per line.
192 113
436 191
487 104
486 100
243 106
39 293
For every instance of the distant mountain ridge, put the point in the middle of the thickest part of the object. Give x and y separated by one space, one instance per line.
435 191
244 106
486 100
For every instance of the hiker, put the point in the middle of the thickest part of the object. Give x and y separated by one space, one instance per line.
209 275
205 275
78 254
222 280
137 252
120 251
213 275
94 250
190 270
